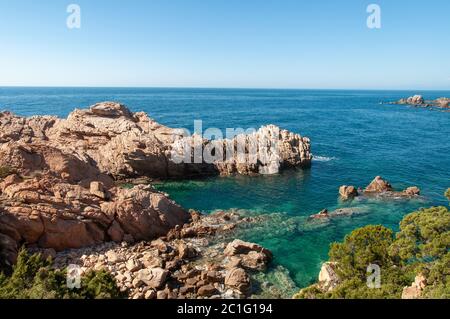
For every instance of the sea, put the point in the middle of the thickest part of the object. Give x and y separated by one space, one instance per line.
355 136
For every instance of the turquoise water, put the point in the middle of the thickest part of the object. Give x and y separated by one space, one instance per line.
354 138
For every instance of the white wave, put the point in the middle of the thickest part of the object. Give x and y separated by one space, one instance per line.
318 158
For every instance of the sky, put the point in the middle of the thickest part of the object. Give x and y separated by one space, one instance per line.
226 43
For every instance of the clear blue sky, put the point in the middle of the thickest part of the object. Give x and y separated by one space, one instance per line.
226 43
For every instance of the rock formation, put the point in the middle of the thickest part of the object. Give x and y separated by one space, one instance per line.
416 289
348 192
120 143
378 185
418 100
328 279
57 183
383 188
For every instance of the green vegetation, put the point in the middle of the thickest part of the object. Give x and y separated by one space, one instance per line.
447 194
5 171
421 246
33 278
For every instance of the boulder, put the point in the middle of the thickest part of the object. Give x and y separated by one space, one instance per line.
416 100
207 291
97 189
416 289
238 279
412 191
185 251
328 278
378 185
239 247
153 277
348 192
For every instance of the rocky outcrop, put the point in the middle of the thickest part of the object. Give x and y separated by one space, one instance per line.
60 201
57 184
249 255
416 289
120 143
348 192
383 188
52 213
413 100
378 185
328 278
170 267
419 101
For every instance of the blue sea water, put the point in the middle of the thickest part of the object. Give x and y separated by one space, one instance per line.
354 138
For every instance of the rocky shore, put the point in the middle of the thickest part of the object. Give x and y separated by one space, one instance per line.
61 193
190 262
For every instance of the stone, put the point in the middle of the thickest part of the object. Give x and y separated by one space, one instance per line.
323 214
114 257
150 294
238 279
233 262
185 252
412 191
416 100
160 245
328 278
416 289
97 189
153 278
207 291
187 290
378 185
115 232
161 294
348 192
238 247
255 260
133 265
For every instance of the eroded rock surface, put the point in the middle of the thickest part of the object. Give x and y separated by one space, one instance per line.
61 191
120 143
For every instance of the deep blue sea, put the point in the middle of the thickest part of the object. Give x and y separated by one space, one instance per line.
354 138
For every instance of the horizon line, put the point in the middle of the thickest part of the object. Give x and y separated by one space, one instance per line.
214 88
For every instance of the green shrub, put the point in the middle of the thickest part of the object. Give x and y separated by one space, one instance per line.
447 194
33 278
421 246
